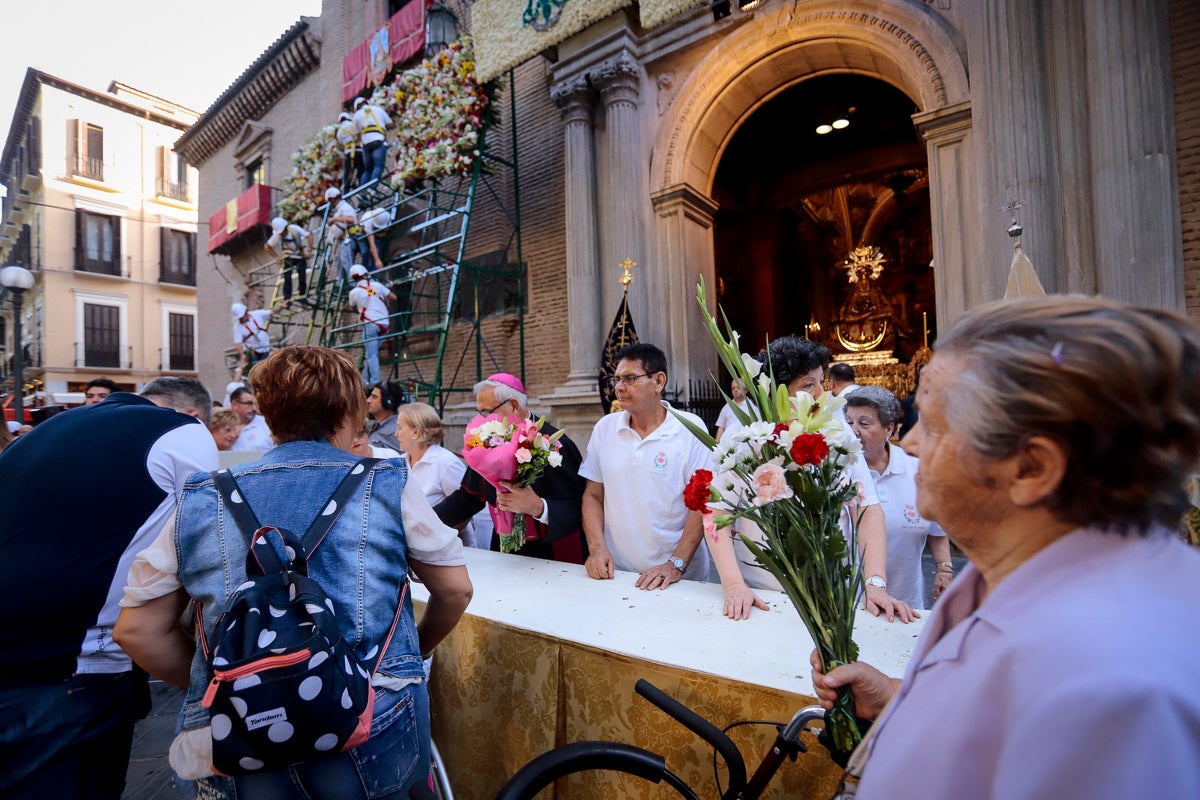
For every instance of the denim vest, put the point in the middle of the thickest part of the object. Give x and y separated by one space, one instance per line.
361 564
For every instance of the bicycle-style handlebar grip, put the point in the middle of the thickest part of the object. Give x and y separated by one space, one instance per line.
699 726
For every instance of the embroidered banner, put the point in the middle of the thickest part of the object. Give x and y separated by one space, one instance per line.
403 38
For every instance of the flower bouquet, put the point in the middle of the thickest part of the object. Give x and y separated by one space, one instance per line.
785 472
517 452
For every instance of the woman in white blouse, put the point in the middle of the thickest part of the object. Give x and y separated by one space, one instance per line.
437 471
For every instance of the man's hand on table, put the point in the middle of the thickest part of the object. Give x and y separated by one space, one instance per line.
599 564
659 577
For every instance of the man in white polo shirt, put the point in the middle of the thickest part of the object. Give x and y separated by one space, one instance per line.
637 465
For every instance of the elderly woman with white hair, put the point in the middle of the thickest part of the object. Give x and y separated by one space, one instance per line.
1055 438
874 413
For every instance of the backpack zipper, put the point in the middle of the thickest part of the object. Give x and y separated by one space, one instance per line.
262 664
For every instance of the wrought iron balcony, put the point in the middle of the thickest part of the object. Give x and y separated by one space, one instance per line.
86 167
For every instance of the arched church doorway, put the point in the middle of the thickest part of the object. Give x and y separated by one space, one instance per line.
823 224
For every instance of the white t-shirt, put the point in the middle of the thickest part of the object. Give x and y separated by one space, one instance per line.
643 482
255 436
253 332
369 116
373 220
292 241
347 136
337 230
906 528
728 420
369 299
757 577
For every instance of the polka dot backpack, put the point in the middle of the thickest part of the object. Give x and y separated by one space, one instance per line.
285 687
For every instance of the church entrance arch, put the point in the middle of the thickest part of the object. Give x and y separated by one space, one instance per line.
902 48
822 225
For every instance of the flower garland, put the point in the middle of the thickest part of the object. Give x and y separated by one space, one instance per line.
438 111
316 166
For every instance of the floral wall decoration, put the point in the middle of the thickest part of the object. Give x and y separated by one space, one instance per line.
438 112
315 167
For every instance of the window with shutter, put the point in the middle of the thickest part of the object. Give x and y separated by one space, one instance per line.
97 243
177 262
181 338
101 335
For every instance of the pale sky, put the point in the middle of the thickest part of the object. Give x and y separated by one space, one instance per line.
186 52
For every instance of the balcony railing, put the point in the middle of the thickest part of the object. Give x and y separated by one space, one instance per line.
86 167
174 191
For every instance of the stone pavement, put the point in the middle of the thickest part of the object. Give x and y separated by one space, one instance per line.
149 776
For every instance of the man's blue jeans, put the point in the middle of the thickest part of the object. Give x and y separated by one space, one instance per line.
370 372
374 157
68 737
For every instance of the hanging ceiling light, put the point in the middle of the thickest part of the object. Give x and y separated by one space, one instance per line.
824 129
840 123
749 5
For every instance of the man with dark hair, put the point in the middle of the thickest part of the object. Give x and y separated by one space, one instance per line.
637 465
255 435
68 695
382 402
841 379
186 395
97 389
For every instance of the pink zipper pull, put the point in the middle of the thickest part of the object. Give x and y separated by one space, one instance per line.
210 693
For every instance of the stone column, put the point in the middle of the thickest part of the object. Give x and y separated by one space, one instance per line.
1016 152
574 97
685 253
622 191
1135 194
952 204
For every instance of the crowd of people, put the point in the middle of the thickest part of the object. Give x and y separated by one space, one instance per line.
1075 603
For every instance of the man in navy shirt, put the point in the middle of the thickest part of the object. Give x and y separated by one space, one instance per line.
79 496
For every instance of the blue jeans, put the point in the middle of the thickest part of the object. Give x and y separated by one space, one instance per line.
67 738
374 158
383 768
370 371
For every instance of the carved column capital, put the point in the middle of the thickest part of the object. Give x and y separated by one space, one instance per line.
574 97
619 78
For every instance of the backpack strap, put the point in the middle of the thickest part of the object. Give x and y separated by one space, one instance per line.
332 509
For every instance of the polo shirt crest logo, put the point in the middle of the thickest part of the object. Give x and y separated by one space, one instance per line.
911 516
659 465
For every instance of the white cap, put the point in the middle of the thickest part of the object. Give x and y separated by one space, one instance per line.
357 269
278 224
332 192
13 426
378 217
345 115
238 309
358 101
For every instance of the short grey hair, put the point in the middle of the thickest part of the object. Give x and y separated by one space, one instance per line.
886 406
504 392
186 395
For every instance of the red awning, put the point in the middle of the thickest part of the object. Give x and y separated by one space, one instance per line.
251 207
406 38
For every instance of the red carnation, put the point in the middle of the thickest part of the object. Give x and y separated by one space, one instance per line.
695 494
780 428
809 448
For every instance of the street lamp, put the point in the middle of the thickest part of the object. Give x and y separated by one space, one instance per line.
441 28
18 280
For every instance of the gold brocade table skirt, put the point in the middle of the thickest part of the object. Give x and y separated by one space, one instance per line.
502 695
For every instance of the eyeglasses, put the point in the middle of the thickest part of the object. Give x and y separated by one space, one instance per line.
491 410
244 402
617 380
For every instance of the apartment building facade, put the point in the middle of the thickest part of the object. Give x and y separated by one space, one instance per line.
103 212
